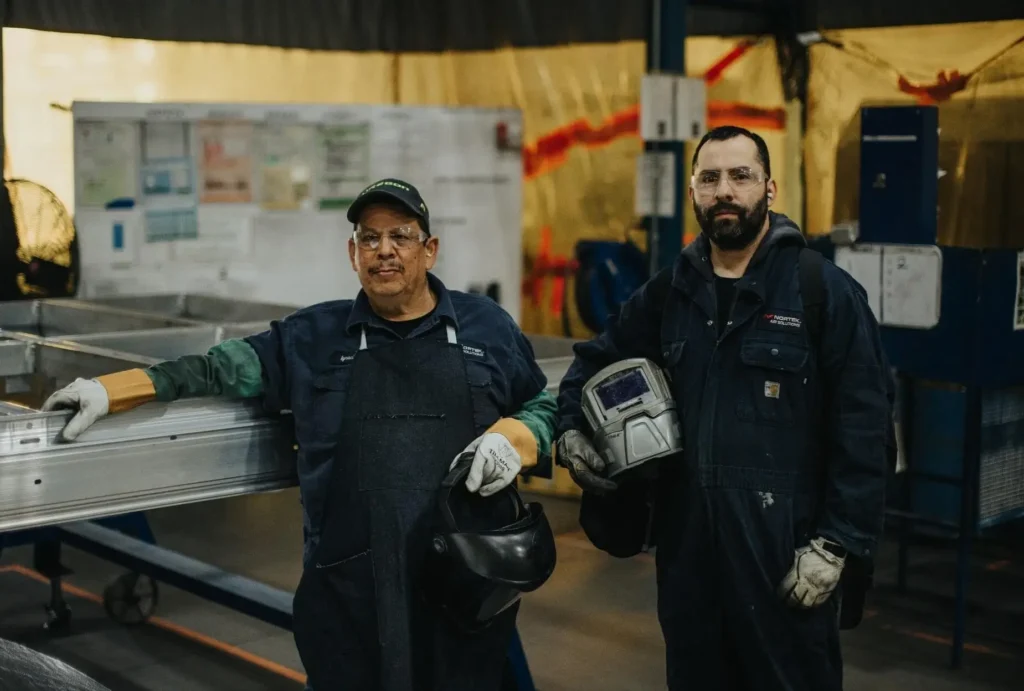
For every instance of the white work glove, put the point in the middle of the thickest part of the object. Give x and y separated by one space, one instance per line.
88 397
815 574
495 464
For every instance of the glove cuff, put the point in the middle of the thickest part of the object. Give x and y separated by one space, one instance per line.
521 438
832 552
128 389
557 445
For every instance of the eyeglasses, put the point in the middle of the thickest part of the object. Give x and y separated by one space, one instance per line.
706 182
401 238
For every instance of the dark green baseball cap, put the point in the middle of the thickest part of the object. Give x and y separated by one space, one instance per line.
392 191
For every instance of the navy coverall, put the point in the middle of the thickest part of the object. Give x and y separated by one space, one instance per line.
379 419
381 409
322 341
782 444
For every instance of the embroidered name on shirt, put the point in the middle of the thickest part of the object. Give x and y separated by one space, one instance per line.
781 322
340 358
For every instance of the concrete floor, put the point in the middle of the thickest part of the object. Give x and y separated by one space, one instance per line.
593 626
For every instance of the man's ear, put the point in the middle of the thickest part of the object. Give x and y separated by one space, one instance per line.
431 247
773 192
353 255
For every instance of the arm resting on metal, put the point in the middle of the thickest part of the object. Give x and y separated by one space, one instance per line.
231 369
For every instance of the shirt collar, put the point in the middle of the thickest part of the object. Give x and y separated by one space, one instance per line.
362 313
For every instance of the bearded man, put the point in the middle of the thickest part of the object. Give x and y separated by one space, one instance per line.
781 482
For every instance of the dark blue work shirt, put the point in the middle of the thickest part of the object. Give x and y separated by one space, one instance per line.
307 357
763 410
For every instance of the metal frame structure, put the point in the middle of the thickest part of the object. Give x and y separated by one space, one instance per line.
155 456
62 316
198 307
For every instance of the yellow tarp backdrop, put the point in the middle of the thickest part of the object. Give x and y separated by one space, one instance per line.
580 108
975 72
585 190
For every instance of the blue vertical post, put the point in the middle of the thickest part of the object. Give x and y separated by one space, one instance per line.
968 519
666 51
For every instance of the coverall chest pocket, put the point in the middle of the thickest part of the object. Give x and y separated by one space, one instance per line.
486 407
327 407
772 380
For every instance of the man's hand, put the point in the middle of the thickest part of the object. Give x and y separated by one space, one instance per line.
88 397
575 452
495 464
815 574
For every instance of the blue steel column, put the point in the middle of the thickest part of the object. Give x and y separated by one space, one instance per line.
666 48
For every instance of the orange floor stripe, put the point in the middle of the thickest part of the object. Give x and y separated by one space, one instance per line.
972 647
177 629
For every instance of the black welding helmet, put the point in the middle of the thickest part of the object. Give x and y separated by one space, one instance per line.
485 551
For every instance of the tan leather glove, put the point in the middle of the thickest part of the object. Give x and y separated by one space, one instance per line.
96 398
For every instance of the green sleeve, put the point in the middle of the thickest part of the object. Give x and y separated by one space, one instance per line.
538 414
230 369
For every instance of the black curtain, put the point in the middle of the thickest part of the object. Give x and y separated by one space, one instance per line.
437 25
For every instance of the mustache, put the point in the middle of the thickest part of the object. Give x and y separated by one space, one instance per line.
726 207
386 267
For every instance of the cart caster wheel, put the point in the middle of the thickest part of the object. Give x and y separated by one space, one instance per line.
131 599
58 619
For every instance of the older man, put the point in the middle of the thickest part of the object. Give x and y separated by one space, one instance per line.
386 390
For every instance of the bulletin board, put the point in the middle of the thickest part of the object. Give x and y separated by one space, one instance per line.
248 201
903 282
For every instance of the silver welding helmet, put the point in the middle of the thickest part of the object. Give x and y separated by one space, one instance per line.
632 413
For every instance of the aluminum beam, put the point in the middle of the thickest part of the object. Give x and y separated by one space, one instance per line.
242 330
8 408
59 364
61 317
16 358
164 344
155 456
19 314
76 317
204 308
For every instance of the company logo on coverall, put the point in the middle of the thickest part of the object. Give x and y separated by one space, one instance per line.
474 351
782 320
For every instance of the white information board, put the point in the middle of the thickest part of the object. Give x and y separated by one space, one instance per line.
248 201
911 285
903 282
864 263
